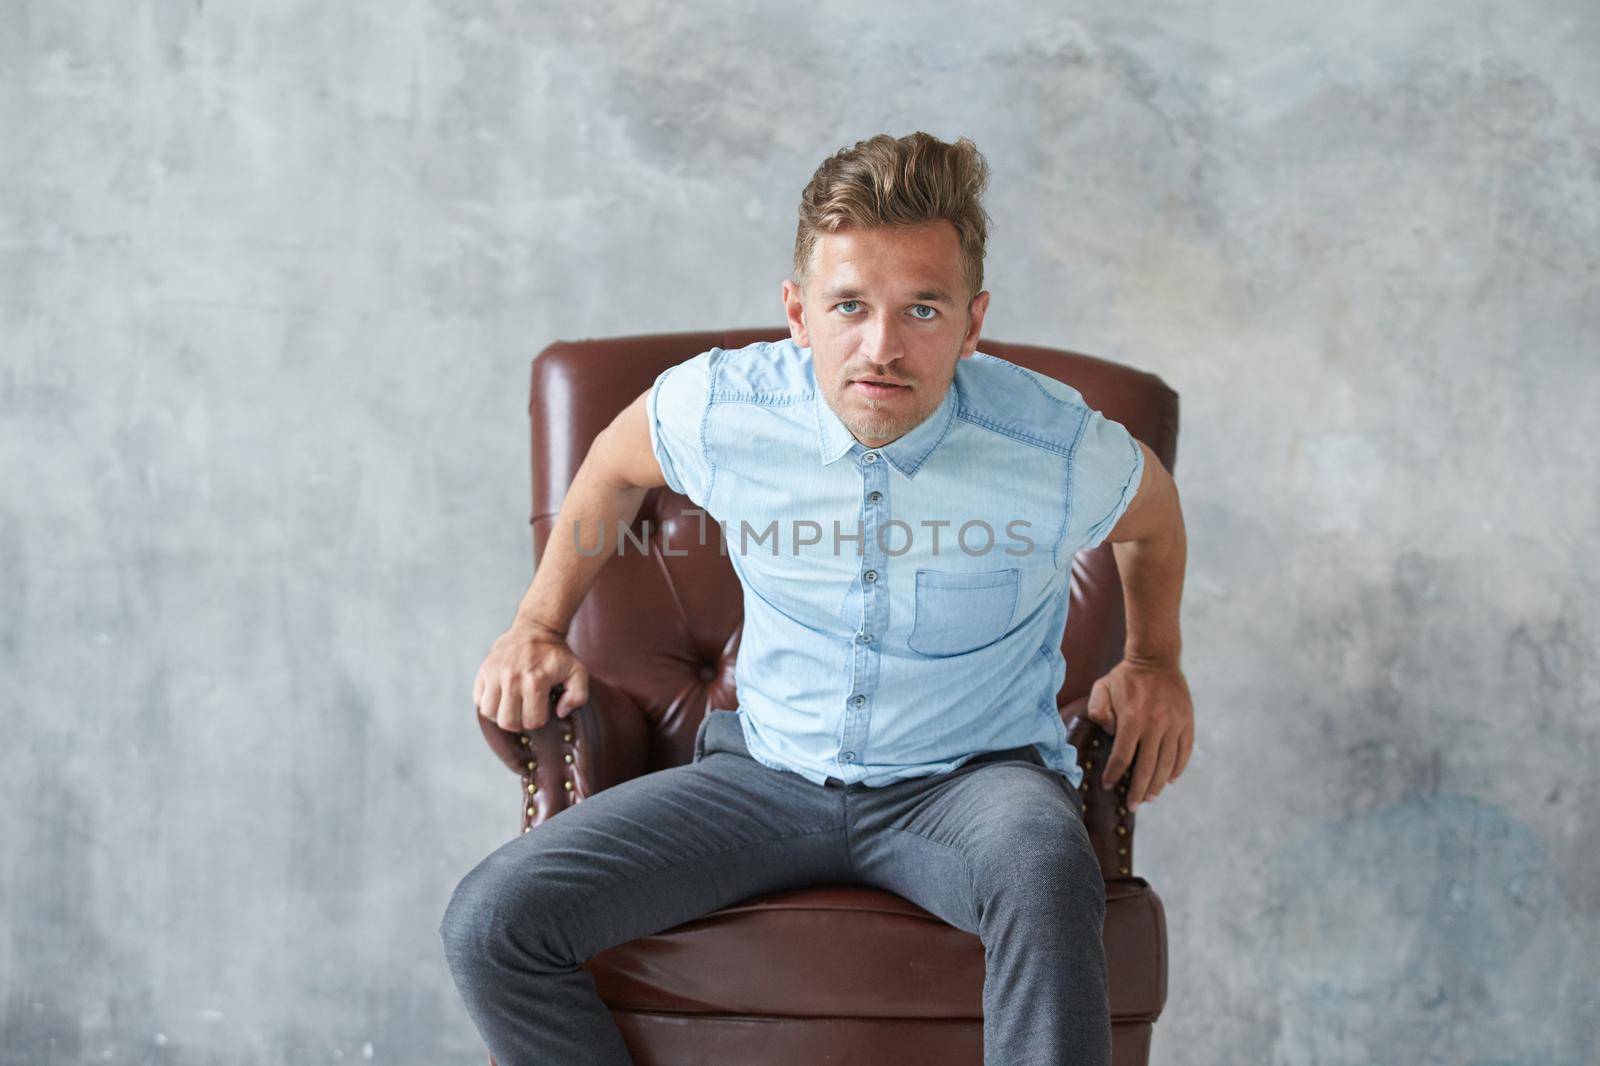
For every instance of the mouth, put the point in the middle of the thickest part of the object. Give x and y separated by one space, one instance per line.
878 388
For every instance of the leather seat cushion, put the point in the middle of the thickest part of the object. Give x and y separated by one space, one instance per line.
854 951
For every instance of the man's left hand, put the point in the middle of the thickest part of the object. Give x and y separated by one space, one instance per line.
1147 707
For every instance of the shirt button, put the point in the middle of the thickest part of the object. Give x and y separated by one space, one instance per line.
874 496
848 756
858 700
871 575
865 638
870 457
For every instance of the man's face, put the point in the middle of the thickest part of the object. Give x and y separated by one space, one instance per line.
888 305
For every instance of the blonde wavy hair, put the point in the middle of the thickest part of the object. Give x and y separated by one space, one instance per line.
898 181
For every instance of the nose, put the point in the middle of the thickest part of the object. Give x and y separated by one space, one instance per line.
881 344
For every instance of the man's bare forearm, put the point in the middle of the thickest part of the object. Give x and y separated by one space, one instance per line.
1152 588
600 506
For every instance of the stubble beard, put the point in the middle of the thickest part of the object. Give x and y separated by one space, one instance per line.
878 424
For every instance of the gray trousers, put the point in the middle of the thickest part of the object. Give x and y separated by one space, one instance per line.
996 847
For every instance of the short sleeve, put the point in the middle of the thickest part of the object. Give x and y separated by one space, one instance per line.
676 406
1107 466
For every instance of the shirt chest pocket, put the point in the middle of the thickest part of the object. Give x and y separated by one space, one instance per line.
961 611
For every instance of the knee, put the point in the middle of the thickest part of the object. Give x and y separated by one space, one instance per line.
497 910
466 926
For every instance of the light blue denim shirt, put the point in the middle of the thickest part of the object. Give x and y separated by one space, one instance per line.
904 606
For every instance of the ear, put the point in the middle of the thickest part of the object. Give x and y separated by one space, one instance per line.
975 312
794 309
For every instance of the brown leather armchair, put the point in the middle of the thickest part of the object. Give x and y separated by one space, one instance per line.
761 981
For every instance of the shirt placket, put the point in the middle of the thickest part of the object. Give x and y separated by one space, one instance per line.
868 644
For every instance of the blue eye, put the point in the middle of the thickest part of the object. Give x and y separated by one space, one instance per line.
843 306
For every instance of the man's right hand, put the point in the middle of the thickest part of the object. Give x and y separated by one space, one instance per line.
516 678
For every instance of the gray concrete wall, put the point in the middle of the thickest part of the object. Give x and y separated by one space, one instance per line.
270 278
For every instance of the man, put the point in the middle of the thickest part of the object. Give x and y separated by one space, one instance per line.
915 506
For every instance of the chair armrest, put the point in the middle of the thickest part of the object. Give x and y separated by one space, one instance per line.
1105 810
599 745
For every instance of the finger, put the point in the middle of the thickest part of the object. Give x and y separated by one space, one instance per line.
535 701
507 711
477 690
1144 771
488 700
1099 709
1166 756
1185 746
1124 745
577 692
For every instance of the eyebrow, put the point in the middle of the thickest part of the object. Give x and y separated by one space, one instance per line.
938 295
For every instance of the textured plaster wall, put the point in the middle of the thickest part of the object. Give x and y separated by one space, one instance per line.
270 278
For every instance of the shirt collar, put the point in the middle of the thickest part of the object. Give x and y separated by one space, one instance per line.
906 453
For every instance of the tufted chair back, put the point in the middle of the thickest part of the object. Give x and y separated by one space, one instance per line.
660 636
